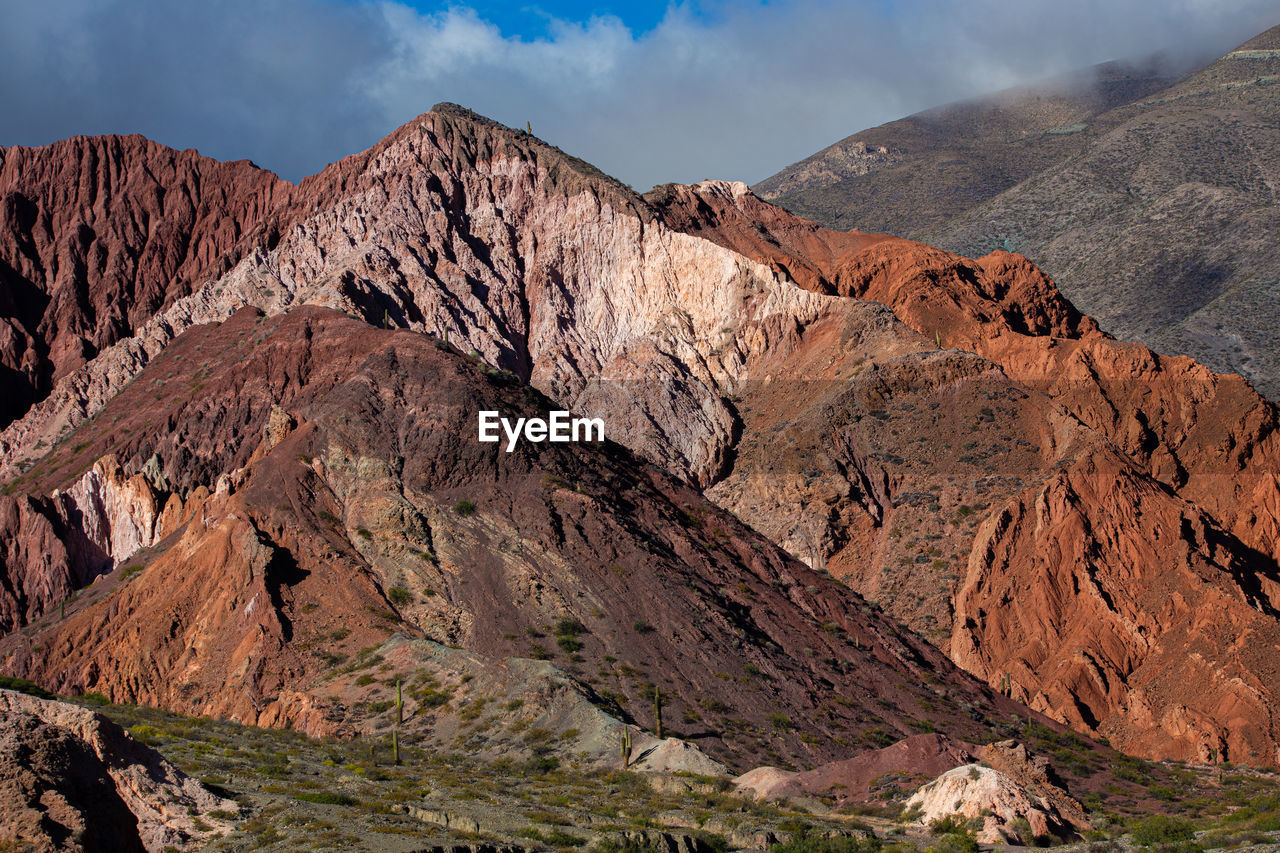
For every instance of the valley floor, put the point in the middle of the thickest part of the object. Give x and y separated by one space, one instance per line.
298 793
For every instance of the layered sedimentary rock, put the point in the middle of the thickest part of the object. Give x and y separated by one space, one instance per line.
456 226
1035 496
874 405
96 235
370 509
57 544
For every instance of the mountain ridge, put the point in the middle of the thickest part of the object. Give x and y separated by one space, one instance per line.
793 373
1151 212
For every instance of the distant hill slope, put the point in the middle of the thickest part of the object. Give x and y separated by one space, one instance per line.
1164 227
1153 206
919 171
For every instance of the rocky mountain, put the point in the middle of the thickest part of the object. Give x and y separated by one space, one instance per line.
291 487
1151 207
325 492
1132 482
918 172
96 235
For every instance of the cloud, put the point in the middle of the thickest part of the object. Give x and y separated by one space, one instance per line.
734 90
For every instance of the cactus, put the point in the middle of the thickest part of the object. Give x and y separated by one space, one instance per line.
395 733
937 339
657 711
528 128
624 748
1006 685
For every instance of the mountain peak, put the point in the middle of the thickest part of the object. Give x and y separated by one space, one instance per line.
564 171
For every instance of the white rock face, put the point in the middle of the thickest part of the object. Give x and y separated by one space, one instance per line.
763 782
118 514
672 755
972 790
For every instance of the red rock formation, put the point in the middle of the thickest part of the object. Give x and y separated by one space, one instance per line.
1143 498
96 235
358 492
1146 624
822 419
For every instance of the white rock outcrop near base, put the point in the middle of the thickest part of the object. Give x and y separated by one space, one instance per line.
974 791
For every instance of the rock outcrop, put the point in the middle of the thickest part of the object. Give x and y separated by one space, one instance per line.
975 791
73 780
876 775
99 233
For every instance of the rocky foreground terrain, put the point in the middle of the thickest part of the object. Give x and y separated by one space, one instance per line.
71 778
857 490
1148 196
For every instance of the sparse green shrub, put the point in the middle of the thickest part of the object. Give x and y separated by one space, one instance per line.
464 508
399 596
805 840
145 733
954 844
1163 829
947 825
328 798
21 685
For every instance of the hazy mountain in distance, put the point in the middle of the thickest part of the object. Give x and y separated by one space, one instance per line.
919 171
1153 207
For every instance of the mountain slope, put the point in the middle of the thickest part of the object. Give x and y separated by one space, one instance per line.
348 515
456 226
824 415
1162 227
1149 200
909 471
918 172
96 235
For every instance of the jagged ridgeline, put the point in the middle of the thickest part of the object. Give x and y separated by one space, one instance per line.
857 490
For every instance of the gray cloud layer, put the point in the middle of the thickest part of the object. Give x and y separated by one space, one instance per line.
295 84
